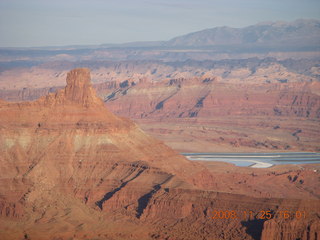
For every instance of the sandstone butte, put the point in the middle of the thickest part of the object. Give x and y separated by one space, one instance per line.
70 169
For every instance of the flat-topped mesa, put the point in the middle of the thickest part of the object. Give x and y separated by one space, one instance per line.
79 88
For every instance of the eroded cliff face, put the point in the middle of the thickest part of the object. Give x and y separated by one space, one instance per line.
211 97
72 169
293 229
212 114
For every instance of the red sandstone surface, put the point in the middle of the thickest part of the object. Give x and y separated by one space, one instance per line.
211 115
71 169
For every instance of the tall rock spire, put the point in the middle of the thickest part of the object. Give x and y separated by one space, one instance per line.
79 88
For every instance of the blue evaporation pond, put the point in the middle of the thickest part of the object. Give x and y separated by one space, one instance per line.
257 159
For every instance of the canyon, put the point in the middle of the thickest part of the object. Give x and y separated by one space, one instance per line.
198 106
71 169
73 166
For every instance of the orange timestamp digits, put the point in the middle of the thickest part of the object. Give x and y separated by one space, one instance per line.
287 214
263 214
224 214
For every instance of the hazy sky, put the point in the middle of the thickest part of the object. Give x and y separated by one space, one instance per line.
69 22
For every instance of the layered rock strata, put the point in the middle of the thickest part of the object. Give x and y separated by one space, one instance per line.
71 169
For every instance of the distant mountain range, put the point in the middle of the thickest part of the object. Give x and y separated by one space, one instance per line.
297 39
303 34
300 33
